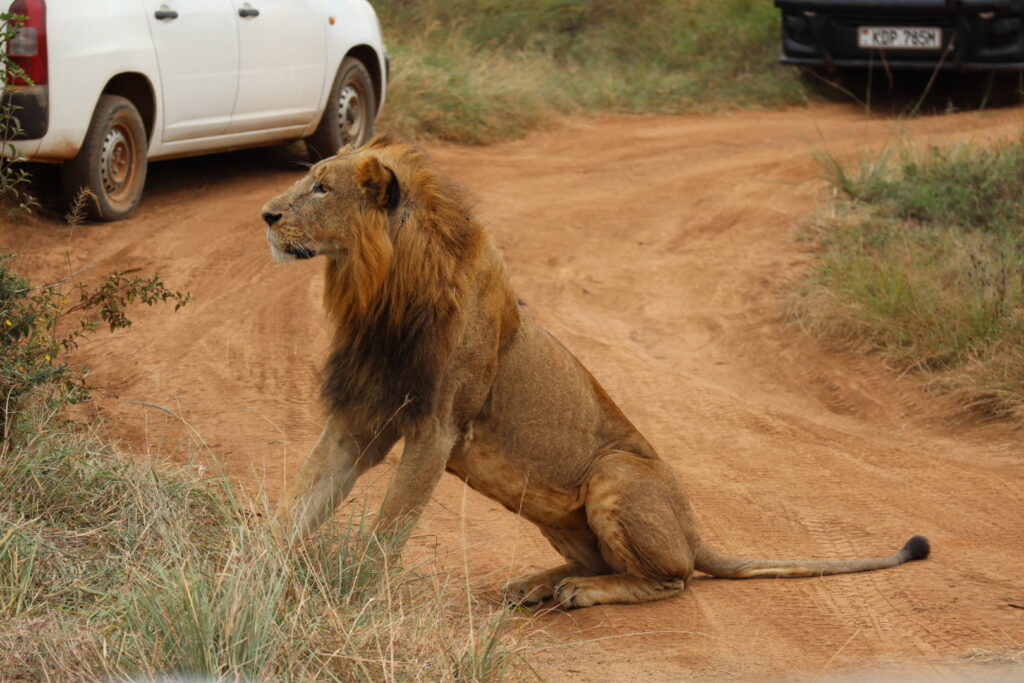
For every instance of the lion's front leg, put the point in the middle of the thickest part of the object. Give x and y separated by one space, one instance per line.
426 453
328 474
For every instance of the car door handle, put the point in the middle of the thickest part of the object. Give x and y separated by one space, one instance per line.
165 14
248 12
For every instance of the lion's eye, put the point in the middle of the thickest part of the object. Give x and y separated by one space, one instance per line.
320 188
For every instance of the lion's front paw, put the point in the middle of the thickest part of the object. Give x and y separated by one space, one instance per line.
527 590
573 592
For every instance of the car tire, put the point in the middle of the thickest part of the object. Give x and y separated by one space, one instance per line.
349 114
111 164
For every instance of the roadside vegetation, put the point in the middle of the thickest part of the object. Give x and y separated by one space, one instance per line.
476 71
922 262
114 567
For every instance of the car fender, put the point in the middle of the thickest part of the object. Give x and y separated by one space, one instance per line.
89 44
355 24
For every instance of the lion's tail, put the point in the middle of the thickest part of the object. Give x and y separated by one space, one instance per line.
712 562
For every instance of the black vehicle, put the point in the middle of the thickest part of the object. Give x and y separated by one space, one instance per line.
960 35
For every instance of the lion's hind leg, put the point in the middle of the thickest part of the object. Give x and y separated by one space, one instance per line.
640 516
585 591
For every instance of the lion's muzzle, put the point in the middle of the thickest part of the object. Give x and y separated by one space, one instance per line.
283 251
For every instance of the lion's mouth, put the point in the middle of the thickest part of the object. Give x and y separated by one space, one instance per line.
299 252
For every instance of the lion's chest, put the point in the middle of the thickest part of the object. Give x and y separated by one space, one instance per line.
492 473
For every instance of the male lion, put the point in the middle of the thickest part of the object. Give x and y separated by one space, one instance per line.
430 345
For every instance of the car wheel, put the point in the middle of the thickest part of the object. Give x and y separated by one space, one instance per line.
111 164
348 117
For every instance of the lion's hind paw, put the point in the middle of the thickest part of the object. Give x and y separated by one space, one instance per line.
586 591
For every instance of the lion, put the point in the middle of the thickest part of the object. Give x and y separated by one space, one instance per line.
431 345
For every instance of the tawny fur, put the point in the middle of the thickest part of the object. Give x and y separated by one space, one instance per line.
431 345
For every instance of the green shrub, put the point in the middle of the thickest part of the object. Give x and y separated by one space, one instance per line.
14 179
39 324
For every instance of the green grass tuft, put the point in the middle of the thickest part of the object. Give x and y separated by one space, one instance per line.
922 261
963 187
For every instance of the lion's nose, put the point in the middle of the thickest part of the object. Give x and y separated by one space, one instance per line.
271 218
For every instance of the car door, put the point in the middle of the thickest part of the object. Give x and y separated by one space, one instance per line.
196 45
282 50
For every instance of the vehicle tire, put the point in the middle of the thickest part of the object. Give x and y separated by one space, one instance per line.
349 114
111 163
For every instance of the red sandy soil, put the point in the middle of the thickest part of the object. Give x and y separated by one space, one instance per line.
661 251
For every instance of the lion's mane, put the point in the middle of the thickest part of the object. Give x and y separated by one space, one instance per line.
395 298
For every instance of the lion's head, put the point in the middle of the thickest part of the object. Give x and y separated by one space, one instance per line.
321 213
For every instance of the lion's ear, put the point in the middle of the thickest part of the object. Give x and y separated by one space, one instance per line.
378 183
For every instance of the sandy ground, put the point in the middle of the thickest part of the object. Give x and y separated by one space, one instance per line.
660 250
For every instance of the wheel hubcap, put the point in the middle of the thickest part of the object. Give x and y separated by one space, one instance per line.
350 115
117 163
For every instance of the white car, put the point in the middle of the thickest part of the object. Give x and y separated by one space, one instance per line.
116 83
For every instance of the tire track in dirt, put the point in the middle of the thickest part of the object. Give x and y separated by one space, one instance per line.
661 251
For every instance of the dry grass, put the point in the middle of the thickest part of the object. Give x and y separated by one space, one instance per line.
116 567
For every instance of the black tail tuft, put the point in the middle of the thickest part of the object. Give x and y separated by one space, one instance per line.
917 548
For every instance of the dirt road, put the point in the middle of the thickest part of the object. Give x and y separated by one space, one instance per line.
659 250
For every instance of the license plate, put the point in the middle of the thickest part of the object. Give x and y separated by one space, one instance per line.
899 37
